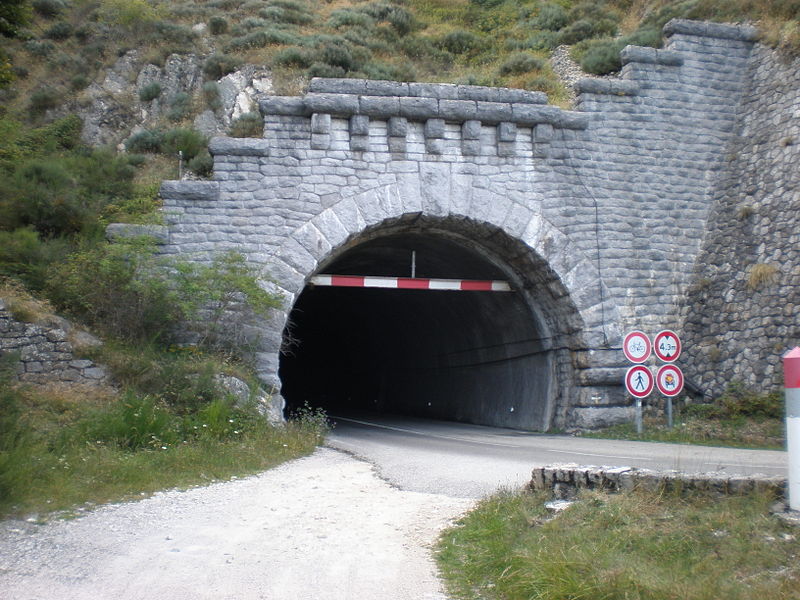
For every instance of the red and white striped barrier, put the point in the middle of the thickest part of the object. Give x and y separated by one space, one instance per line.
410 283
791 376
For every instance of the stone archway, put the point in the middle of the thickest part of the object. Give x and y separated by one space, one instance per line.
558 304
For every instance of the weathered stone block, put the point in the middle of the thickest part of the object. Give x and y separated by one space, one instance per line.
238 146
397 127
330 85
471 130
506 132
334 104
359 143
379 106
320 123
470 147
283 105
434 128
419 109
359 125
457 110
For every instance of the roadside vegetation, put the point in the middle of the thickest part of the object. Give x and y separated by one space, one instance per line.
632 546
169 421
739 418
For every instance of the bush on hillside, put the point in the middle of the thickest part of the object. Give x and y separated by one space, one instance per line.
520 63
460 42
150 92
551 17
180 105
188 141
219 65
49 8
145 141
217 25
60 31
601 57
249 125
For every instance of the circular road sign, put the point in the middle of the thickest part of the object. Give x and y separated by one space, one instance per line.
667 346
669 380
636 347
639 381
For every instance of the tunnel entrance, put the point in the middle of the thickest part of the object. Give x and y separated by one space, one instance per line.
471 356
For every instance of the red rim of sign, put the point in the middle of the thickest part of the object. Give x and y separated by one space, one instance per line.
630 385
678 374
628 355
657 343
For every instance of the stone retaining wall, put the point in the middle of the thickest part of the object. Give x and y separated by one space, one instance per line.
565 480
46 353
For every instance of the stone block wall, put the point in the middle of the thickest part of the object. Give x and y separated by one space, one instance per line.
742 309
45 352
612 199
565 480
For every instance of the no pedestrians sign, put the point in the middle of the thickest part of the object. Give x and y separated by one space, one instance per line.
639 381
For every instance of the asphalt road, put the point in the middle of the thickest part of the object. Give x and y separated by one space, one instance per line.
470 461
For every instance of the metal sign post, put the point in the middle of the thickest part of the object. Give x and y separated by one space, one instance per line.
791 375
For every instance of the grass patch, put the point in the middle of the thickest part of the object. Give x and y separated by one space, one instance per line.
66 447
626 546
739 418
736 432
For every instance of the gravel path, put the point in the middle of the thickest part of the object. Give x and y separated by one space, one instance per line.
322 527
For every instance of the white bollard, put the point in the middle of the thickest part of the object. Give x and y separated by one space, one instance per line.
791 374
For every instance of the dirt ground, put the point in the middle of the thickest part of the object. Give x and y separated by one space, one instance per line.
323 527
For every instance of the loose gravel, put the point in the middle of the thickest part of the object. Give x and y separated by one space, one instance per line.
322 527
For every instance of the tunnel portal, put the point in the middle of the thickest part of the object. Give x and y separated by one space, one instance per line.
470 356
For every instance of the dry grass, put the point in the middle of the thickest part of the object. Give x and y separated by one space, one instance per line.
762 275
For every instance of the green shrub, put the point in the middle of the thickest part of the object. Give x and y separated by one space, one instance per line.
188 141
79 82
741 401
59 31
398 17
602 57
551 17
180 37
293 57
118 288
22 256
460 42
150 92
20 72
40 48
519 63
421 48
248 125
645 36
202 164
211 95
219 65
217 25
378 70
542 40
49 8
43 99
345 17
180 106
145 141
577 31
319 69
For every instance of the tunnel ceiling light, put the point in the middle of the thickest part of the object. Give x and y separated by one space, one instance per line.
411 283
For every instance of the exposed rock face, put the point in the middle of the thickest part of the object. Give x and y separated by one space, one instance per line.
271 407
112 109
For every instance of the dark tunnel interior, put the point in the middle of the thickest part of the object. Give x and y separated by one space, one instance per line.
467 356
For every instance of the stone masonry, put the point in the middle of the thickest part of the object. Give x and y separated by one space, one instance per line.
738 324
607 206
45 352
